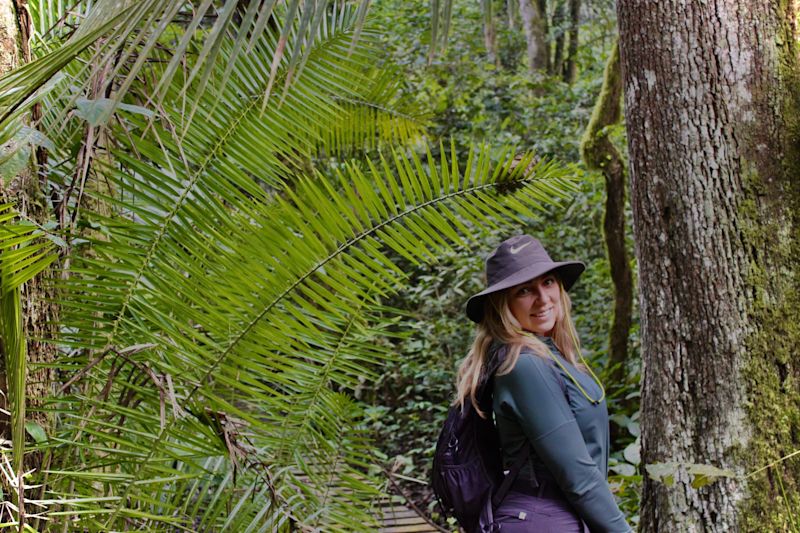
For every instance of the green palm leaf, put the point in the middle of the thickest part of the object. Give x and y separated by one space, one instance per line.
133 32
320 112
22 256
258 309
222 308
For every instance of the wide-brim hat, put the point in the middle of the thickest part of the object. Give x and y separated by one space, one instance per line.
517 260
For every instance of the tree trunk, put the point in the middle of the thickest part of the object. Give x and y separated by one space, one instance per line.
559 35
535 34
599 153
571 68
489 32
545 23
511 10
711 100
25 190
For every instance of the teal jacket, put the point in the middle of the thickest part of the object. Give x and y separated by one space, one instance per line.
568 434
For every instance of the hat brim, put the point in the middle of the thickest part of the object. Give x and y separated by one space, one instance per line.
567 271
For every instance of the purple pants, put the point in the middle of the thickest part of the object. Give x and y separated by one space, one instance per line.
522 513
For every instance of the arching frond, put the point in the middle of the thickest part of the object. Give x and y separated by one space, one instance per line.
232 135
248 319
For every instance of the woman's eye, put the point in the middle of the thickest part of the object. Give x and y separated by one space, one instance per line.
549 281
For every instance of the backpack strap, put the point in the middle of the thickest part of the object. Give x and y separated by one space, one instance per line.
500 494
498 356
508 480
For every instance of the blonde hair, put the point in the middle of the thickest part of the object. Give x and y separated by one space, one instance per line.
499 324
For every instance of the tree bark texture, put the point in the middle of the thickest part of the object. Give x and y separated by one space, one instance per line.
512 10
571 67
533 21
599 153
25 191
559 36
711 102
489 32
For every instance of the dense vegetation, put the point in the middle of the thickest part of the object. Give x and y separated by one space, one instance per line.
473 99
265 224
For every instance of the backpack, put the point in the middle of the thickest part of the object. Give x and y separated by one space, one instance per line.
467 475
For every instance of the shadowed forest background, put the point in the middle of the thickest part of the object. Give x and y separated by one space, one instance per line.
238 235
477 96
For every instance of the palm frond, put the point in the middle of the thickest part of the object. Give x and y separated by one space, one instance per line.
251 310
133 32
318 115
379 116
21 258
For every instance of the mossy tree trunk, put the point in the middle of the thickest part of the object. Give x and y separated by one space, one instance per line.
26 191
512 10
711 103
599 153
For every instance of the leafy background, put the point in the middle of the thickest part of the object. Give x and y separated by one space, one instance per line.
472 99
268 217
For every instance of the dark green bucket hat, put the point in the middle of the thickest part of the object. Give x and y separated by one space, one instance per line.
517 260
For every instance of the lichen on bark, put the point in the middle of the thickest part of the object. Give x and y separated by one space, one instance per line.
709 90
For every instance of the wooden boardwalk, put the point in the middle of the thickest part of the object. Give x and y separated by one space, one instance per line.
397 517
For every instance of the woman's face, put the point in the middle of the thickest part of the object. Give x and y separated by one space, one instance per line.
536 304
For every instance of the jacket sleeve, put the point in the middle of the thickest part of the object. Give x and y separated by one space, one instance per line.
531 392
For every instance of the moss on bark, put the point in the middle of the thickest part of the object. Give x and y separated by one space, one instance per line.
773 368
599 153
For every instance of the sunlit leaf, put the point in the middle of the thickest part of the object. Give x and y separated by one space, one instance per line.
703 475
663 472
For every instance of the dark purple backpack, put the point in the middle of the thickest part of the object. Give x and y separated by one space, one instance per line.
467 475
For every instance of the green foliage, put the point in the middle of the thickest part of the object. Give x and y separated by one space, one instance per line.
23 255
225 293
233 283
290 324
473 99
229 306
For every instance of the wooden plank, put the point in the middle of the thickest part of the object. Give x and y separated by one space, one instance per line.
397 518
407 521
420 528
399 514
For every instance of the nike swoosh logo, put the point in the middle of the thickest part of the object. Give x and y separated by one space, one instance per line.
515 249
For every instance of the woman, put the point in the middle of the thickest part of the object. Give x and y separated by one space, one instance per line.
546 403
